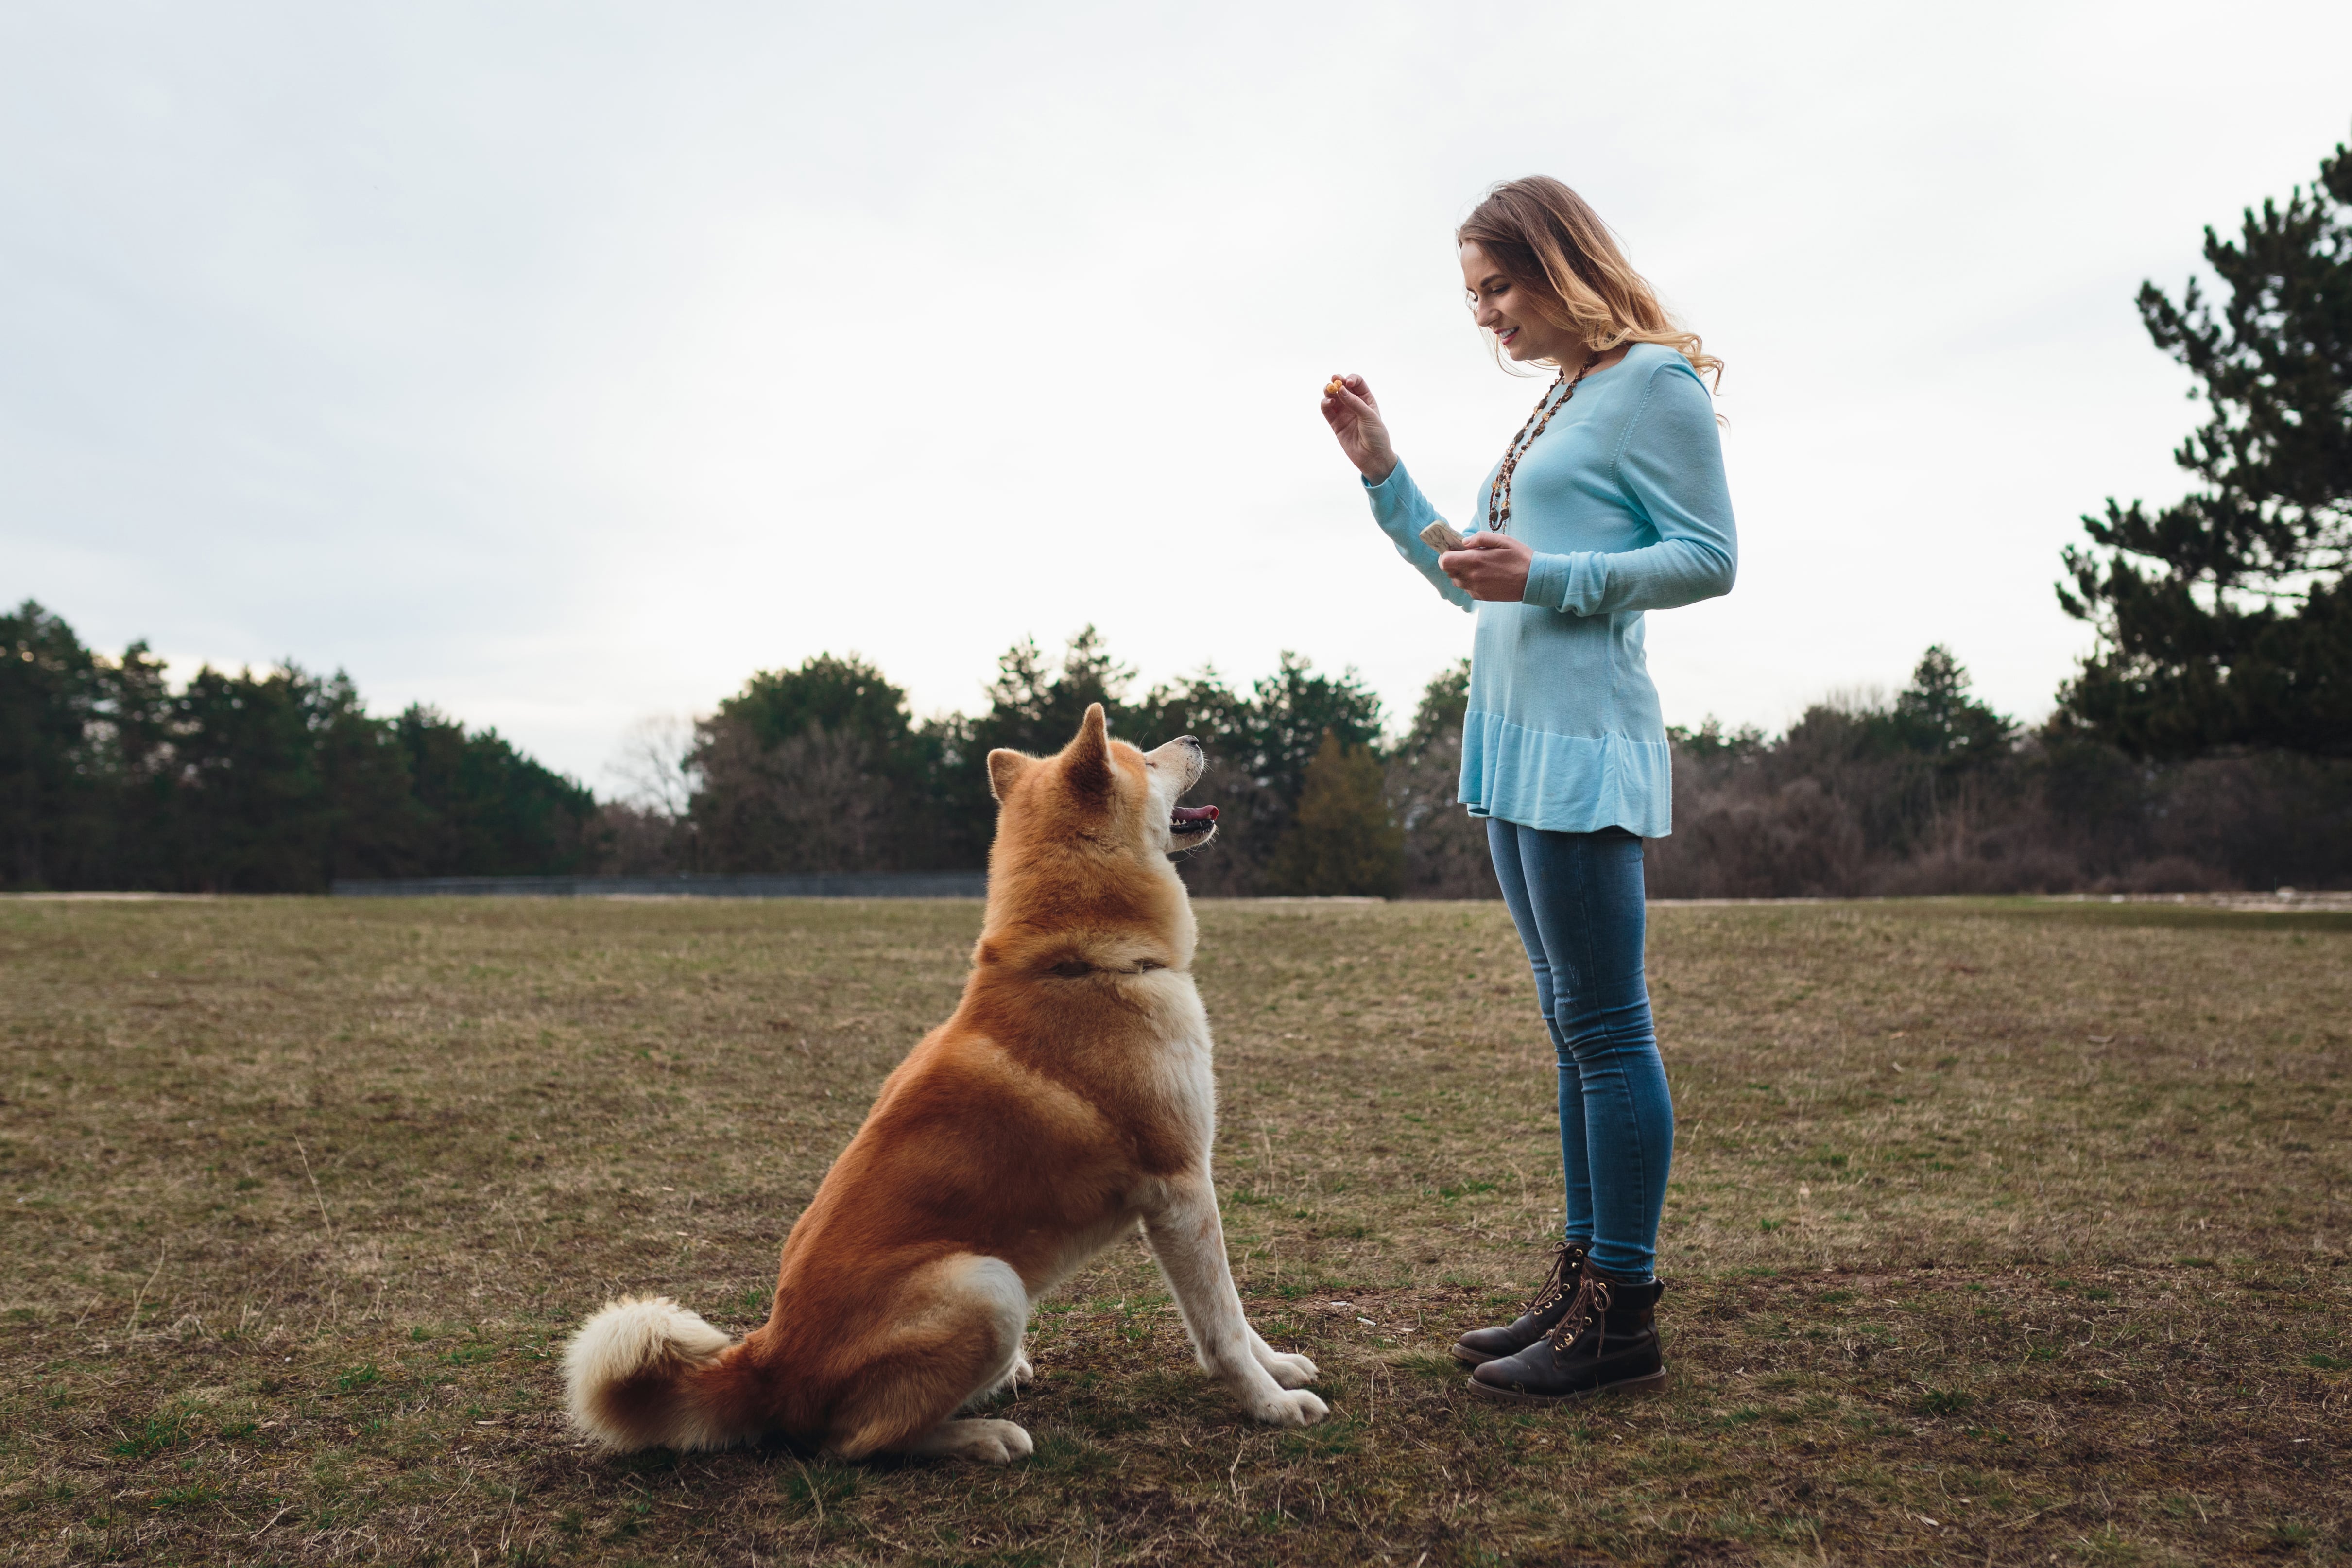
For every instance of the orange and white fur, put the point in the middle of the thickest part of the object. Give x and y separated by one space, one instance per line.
1067 1100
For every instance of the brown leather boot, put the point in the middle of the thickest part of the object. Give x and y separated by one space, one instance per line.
1607 1339
1480 1346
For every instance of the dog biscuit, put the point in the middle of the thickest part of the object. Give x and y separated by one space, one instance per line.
1442 536
1334 387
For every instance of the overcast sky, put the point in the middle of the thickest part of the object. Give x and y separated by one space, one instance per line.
560 364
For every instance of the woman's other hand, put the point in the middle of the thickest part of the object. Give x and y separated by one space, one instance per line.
1355 419
1491 566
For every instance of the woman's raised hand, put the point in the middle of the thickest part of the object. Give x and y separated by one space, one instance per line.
1355 419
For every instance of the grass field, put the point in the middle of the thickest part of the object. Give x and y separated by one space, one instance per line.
1998 1234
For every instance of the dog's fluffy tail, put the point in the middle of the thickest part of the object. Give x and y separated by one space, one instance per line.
645 1372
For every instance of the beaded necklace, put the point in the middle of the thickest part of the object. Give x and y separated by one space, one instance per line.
1498 494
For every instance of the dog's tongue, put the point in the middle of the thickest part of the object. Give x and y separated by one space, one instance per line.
1196 814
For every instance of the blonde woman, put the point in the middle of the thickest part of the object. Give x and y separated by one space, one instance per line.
1609 503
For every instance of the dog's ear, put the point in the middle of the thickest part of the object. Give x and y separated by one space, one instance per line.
1086 761
1005 771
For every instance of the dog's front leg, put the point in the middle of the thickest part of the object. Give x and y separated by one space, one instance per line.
1189 1240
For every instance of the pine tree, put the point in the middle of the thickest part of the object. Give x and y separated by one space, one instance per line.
49 695
1297 711
1935 717
1443 702
1342 841
2226 620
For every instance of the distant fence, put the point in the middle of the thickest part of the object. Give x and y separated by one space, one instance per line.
850 885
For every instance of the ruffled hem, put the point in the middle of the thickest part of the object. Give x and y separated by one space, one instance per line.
1566 783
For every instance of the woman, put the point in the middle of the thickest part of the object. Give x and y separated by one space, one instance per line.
1610 503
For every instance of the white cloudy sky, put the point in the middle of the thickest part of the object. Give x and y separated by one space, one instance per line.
559 364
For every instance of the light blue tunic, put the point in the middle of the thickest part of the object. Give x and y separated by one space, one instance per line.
1623 501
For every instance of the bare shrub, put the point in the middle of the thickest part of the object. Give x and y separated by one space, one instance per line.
654 766
2267 820
1250 820
634 840
1798 841
1445 853
812 803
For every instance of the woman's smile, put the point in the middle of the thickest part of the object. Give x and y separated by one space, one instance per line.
1490 291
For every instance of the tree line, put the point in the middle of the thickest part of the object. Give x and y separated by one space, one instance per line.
1932 791
276 782
820 768
2206 742
281 782
824 768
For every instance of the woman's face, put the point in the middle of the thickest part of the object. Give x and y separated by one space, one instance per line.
1504 309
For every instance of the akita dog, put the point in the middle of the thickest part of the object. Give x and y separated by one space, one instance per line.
1068 1098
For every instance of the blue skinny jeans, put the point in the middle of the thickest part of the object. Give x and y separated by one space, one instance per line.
1577 899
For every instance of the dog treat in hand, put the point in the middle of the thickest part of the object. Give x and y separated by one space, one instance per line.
1442 536
1335 388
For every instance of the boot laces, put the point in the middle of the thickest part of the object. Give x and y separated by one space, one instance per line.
1588 1310
1567 1264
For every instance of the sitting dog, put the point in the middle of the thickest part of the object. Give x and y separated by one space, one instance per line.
1068 1098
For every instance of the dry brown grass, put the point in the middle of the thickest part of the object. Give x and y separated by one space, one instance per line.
1998 1234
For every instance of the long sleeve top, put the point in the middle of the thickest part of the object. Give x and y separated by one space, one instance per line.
1623 501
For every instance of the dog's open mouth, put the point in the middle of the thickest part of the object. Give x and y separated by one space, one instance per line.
1187 819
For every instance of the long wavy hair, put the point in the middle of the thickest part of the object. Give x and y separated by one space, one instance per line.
1549 241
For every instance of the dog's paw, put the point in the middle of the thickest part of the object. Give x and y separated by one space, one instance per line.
991 1442
1022 1372
1290 1371
988 1441
1292 1407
